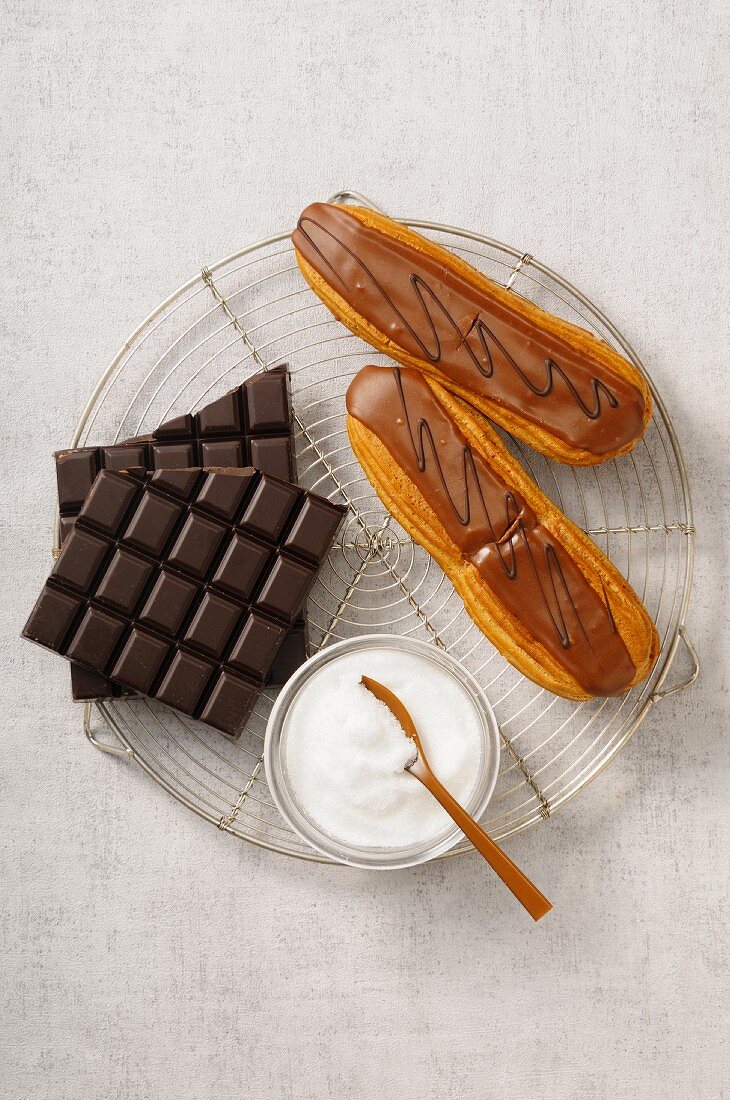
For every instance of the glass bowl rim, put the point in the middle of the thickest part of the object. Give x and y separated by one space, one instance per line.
378 858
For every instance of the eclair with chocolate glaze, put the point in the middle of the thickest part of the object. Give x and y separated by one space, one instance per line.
532 581
552 384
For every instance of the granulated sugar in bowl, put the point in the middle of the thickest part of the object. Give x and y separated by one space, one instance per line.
336 756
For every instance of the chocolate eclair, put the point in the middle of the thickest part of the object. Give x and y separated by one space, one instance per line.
534 583
556 386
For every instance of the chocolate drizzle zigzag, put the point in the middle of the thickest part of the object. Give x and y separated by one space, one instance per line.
542 378
485 364
514 516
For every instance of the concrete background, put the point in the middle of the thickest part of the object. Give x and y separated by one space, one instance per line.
144 954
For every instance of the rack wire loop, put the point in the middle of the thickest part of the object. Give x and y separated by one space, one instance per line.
227 820
524 259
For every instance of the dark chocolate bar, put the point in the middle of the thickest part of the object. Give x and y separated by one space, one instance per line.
250 425
183 584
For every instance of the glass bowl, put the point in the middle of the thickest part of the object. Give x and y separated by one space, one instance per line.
306 828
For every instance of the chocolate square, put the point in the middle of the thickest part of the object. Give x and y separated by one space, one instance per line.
313 529
179 427
222 452
267 403
272 454
222 417
140 660
97 635
108 503
241 565
80 559
183 684
256 646
125 457
168 603
212 624
179 483
124 580
51 618
172 456
269 508
195 546
153 521
223 495
75 473
229 699
285 588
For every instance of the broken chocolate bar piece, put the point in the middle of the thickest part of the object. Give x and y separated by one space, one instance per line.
221 434
249 425
183 584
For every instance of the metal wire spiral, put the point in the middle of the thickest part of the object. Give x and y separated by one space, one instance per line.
254 310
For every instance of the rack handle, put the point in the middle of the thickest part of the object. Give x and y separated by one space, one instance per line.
665 692
356 197
103 746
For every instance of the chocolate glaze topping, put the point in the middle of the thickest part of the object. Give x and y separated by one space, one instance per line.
481 345
494 528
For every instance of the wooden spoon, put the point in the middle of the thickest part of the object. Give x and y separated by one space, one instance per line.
536 904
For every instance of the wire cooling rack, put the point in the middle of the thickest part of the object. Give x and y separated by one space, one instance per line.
253 310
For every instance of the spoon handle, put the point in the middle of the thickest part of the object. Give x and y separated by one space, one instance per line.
536 904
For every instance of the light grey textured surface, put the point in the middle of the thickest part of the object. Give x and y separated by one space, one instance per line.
146 955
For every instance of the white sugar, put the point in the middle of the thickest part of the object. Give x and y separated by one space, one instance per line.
346 754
